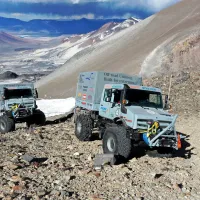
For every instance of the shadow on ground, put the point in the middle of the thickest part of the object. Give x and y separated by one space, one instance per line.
184 152
60 120
142 149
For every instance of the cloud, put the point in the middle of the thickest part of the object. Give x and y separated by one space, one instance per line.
154 5
30 16
67 9
151 5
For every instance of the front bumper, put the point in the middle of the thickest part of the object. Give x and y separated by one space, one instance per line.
167 137
21 113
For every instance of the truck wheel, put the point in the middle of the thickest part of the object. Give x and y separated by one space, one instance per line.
6 124
83 127
38 118
116 142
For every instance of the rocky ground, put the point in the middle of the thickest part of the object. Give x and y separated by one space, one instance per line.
64 166
184 92
64 169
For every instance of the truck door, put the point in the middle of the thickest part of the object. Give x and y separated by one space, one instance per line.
110 104
115 105
105 105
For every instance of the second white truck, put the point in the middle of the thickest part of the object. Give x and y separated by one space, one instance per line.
124 111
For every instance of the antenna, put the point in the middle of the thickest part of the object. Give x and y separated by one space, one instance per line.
170 85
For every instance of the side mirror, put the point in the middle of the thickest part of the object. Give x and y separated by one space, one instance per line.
108 99
36 93
4 93
167 107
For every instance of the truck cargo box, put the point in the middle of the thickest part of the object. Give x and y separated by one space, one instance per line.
90 87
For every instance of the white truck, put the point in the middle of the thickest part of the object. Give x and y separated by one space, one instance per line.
18 104
124 111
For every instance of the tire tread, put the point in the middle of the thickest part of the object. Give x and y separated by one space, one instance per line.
87 126
124 146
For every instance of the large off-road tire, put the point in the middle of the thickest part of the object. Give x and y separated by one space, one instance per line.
115 142
7 124
38 118
83 127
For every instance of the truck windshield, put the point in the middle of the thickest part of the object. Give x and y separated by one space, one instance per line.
144 98
18 93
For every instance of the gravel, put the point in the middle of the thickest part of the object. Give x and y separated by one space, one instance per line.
62 167
68 173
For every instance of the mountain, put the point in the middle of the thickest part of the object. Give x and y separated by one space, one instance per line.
46 59
53 27
8 39
165 42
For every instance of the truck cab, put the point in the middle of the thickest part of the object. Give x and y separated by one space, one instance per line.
19 95
133 103
17 105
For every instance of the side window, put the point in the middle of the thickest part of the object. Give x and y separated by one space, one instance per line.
117 96
154 98
107 93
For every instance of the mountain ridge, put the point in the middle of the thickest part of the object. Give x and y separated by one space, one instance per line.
8 39
53 27
152 41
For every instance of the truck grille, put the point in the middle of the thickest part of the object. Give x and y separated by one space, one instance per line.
27 105
142 123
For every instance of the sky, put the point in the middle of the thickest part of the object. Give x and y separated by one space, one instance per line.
76 9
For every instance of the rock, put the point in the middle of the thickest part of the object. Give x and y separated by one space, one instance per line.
2 195
14 159
95 197
17 188
27 158
97 174
15 179
133 160
102 159
2 139
11 184
98 168
90 157
57 182
8 75
70 147
25 198
177 186
11 166
33 160
64 194
86 171
36 197
76 154
67 178
41 193
55 193
186 190
168 185
8 197
158 176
